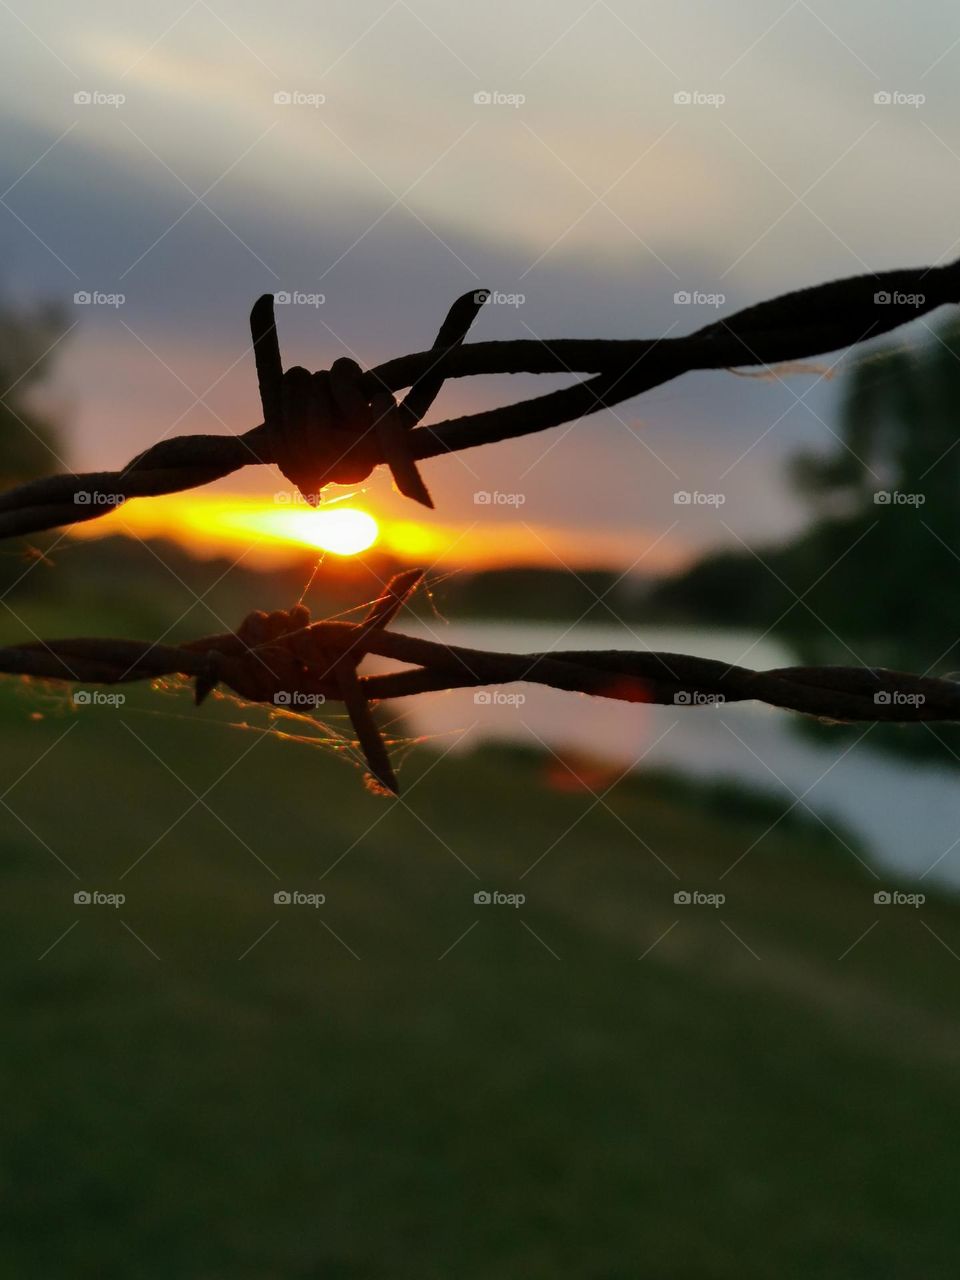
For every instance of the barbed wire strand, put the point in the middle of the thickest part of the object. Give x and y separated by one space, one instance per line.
282 659
338 425
335 426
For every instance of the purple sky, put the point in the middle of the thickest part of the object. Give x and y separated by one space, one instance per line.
597 197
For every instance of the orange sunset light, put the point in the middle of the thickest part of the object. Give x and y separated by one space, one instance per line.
346 531
216 524
269 533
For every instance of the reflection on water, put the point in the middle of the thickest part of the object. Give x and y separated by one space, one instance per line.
907 814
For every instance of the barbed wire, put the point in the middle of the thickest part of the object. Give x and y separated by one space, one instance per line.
282 659
336 426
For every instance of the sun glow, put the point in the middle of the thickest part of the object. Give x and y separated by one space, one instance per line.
346 531
270 533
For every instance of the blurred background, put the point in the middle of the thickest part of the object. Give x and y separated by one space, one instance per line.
609 989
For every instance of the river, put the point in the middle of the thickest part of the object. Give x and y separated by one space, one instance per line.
906 814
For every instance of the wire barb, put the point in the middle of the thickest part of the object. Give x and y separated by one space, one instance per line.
319 425
335 426
332 436
276 658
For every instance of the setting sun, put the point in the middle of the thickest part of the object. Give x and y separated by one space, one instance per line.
345 531
271 531
342 530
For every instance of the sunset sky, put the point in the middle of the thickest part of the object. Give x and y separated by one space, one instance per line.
586 189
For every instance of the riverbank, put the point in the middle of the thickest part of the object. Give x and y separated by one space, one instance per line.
599 1080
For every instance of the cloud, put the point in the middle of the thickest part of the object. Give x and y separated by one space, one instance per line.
597 198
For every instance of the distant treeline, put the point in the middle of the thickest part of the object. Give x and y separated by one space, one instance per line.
878 567
875 577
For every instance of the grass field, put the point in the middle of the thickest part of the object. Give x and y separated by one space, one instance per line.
402 1083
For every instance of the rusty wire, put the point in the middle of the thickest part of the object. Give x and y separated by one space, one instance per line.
337 426
282 659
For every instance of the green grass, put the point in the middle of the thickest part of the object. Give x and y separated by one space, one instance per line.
541 1102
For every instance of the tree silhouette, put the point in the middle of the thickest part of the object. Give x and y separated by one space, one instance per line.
30 443
886 506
